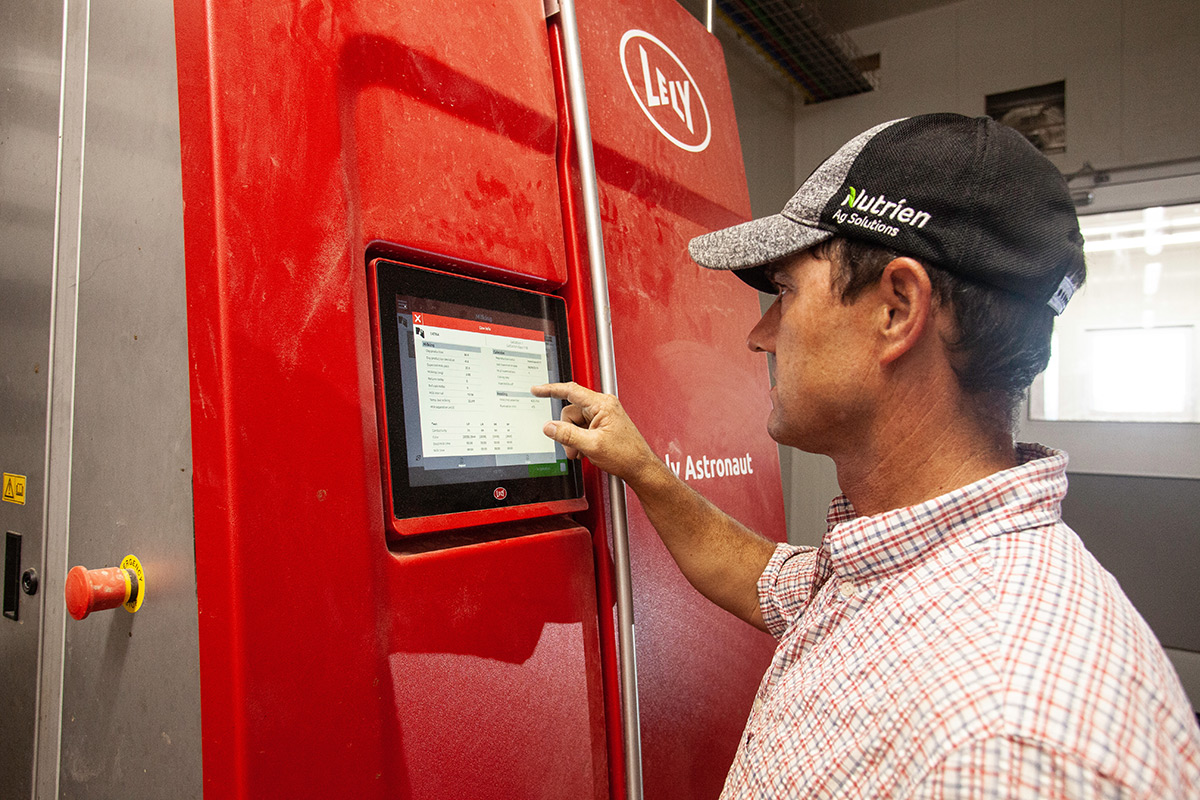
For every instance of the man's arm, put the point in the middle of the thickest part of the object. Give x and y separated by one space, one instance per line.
721 557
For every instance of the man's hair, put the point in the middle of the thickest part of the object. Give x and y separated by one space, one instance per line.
1001 340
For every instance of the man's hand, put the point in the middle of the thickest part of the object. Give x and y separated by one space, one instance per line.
595 425
717 554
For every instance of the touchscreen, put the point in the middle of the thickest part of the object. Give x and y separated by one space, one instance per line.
466 374
457 357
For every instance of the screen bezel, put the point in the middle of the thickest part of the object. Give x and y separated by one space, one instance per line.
422 508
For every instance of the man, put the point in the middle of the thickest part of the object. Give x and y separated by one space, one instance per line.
951 637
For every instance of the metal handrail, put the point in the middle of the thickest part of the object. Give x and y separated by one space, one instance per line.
630 721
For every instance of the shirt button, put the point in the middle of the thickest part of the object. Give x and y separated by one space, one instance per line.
757 705
846 589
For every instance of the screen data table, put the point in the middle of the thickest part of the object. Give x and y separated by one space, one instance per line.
474 380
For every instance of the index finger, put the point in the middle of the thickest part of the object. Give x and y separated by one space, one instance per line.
572 392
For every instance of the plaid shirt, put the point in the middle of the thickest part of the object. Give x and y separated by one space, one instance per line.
967 647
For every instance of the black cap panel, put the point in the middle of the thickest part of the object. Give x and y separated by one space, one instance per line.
968 195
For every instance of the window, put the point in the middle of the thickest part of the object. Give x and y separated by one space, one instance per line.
1125 349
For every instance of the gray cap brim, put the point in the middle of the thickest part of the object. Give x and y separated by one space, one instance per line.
749 247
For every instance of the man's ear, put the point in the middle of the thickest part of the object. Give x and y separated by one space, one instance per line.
907 301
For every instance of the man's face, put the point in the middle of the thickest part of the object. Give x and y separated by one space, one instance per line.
823 367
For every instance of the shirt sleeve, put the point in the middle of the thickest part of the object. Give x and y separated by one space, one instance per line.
786 586
1010 768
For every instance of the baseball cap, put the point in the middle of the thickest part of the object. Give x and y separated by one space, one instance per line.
968 195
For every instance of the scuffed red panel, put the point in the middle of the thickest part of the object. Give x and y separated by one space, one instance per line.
454 125
647 150
302 663
494 668
339 124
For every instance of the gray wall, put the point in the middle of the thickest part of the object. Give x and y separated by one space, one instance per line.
765 105
1114 515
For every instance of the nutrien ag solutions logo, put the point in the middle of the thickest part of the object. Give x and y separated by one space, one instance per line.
665 90
883 210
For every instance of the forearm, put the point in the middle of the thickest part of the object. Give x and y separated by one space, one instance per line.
719 556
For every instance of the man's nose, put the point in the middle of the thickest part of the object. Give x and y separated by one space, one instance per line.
762 336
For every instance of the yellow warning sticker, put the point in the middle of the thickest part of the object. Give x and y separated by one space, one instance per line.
135 597
14 488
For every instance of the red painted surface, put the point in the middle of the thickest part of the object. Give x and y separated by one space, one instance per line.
683 370
493 672
465 664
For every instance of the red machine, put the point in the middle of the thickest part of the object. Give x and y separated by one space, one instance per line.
349 646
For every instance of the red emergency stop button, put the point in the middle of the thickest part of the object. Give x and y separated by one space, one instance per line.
91 590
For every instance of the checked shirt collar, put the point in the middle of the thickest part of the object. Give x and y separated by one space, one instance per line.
1023 497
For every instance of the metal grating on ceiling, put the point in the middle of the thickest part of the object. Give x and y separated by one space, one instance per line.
792 38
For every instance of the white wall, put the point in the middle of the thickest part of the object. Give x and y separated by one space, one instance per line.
765 106
1131 68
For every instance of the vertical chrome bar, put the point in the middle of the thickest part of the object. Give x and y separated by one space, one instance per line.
60 411
630 721
708 15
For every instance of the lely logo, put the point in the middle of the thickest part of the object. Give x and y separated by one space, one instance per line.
665 91
500 493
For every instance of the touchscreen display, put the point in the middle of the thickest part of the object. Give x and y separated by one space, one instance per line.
463 433
466 374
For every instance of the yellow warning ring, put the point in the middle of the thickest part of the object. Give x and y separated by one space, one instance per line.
131 562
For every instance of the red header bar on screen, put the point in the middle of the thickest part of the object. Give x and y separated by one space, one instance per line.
476 326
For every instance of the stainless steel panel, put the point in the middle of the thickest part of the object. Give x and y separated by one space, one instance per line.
61 396
31 40
130 683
